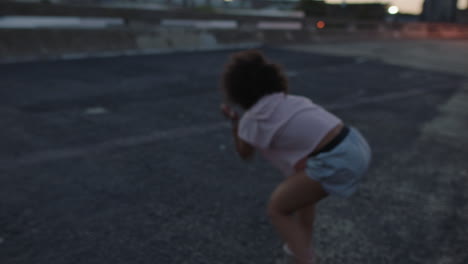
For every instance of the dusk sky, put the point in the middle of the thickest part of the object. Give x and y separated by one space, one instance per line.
406 6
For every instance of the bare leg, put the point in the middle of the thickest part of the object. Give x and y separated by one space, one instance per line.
306 217
295 193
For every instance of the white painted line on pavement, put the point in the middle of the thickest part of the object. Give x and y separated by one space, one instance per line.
60 154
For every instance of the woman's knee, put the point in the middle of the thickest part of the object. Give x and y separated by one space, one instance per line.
271 211
274 209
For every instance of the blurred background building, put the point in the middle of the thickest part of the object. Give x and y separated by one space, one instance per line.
432 10
439 10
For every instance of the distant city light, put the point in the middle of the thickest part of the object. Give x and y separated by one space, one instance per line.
320 24
393 10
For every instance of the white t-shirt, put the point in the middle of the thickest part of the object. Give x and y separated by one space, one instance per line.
285 128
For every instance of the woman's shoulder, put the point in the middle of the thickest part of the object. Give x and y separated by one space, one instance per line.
265 106
299 101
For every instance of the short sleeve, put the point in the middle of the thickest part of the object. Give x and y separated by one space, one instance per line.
258 125
245 131
254 132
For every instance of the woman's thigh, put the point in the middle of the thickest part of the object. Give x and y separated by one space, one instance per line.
295 193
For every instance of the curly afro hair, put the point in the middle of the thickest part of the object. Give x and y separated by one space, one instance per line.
248 76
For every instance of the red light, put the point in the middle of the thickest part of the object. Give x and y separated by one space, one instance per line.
320 24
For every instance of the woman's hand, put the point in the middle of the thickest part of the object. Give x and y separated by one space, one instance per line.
229 113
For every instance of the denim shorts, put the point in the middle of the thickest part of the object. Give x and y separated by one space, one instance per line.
341 169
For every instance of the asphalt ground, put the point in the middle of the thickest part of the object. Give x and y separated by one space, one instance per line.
127 160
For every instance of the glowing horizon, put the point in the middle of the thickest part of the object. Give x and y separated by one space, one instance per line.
405 6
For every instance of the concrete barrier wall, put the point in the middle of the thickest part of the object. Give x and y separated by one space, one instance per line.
32 44
35 44
27 44
434 30
52 42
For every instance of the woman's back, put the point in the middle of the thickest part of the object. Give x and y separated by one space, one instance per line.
286 128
